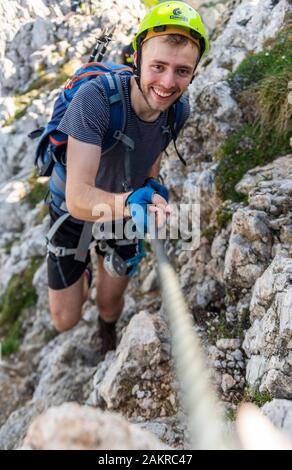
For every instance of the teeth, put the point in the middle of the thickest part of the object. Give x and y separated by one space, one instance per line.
160 93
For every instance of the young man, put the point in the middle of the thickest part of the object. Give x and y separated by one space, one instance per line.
168 47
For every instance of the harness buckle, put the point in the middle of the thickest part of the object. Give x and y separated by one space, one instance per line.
60 251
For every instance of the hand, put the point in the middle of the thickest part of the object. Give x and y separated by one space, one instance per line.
137 203
143 199
158 187
161 210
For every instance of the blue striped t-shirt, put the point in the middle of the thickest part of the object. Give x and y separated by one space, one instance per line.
87 120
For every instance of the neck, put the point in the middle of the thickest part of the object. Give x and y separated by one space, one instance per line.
140 105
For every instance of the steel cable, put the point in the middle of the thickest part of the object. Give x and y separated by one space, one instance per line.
206 428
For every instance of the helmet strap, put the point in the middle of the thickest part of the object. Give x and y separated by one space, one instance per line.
137 68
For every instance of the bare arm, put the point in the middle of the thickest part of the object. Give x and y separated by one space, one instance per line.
154 170
160 207
82 197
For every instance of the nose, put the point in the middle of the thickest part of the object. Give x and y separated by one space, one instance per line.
168 80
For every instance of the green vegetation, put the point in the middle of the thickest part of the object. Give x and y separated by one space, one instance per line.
11 342
45 82
242 151
223 216
42 214
219 327
261 85
38 191
248 396
275 58
275 112
20 294
209 232
8 246
256 397
230 415
21 102
51 81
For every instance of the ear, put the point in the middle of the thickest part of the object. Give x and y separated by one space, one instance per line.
135 58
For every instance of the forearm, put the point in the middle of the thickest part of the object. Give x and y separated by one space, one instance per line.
93 204
154 170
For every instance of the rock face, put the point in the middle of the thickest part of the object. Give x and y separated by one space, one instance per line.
242 269
75 427
279 412
249 249
268 343
137 379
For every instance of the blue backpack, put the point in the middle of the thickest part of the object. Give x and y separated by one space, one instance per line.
50 157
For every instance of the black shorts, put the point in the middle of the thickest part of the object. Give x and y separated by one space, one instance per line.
63 271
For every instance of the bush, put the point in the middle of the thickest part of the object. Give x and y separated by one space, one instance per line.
242 151
20 294
261 85
37 192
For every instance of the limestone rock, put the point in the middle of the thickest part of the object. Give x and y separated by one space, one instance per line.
279 413
249 248
74 427
137 377
227 382
267 341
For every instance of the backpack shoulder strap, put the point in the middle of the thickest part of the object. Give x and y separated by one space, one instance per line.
118 120
174 121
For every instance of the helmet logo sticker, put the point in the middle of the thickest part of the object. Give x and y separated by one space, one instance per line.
177 15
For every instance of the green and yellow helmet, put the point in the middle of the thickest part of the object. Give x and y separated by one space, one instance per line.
172 17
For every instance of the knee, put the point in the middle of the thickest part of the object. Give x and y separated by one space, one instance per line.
63 320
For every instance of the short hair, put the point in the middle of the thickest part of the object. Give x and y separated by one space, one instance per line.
180 40
177 39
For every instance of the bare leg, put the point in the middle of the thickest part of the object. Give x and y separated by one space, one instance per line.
66 304
110 293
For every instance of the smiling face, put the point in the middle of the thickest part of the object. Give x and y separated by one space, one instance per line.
167 69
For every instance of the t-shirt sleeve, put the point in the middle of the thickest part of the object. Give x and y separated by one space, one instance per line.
87 116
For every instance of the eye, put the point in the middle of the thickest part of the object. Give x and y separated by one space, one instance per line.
183 72
157 67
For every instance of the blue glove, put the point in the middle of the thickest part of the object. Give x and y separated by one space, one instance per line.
137 203
158 187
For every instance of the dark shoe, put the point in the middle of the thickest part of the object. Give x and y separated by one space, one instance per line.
108 336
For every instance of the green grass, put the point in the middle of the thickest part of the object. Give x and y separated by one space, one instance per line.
210 233
45 82
243 151
274 110
223 329
230 415
20 294
248 396
256 397
260 84
12 339
42 214
8 246
37 192
275 58
223 216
